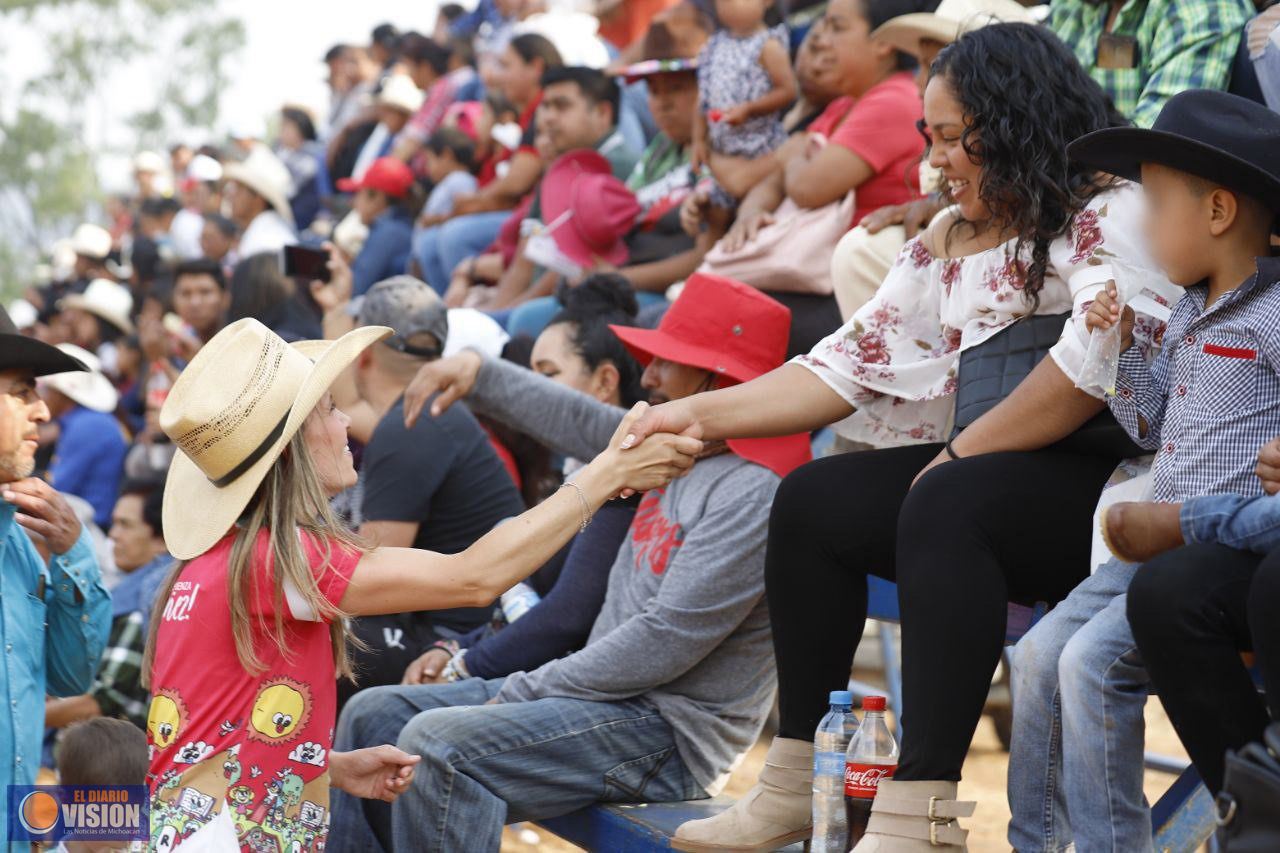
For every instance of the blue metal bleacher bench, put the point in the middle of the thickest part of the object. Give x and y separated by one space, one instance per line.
1182 819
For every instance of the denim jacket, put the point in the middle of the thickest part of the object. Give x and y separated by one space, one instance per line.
54 622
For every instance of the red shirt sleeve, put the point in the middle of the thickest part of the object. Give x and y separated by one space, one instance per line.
332 570
881 126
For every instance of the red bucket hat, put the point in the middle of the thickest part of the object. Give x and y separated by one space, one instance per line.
734 331
587 210
386 174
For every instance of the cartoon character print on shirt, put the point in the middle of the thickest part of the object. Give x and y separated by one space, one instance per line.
280 710
166 718
654 537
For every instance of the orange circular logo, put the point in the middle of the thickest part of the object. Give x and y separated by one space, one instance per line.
39 813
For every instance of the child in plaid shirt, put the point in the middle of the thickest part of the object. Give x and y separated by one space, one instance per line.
1205 405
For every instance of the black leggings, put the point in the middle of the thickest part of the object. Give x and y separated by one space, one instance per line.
1193 611
974 534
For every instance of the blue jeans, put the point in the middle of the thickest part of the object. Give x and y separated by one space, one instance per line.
531 317
1079 690
487 765
1267 66
1246 524
441 248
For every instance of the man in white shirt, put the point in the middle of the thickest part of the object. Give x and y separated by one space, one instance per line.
257 191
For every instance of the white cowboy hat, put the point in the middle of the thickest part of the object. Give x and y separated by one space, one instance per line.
106 299
148 161
263 173
204 168
231 413
88 388
400 92
952 19
92 241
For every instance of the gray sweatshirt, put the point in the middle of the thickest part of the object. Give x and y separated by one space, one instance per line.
684 622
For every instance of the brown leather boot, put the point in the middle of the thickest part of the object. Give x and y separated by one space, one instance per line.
915 817
1136 532
774 813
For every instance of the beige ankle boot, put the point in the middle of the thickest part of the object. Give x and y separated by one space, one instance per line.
915 817
774 813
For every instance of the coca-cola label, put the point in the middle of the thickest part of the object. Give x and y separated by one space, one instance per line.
862 780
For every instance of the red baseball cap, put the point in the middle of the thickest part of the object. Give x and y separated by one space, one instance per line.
386 174
587 210
734 331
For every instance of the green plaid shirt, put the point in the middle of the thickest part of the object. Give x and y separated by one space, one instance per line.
118 685
1182 44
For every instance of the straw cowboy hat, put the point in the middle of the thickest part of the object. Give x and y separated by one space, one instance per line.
263 173
231 413
89 388
106 299
952 19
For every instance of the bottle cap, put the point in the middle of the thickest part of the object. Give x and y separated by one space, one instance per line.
873 703
841 697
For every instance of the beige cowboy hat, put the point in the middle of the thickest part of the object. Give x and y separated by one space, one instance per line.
400 92
88 388
231 413
263 173
106 299
952 19
92 241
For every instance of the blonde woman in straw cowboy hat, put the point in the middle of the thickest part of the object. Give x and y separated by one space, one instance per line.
248 635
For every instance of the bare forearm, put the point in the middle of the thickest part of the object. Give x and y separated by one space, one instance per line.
775 100
739 175
657 276
787 400
60 713
394 580
514 283
1044 408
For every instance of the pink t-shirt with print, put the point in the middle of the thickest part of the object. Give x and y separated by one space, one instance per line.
255 745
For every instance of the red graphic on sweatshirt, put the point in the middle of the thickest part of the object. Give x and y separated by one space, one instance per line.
654 537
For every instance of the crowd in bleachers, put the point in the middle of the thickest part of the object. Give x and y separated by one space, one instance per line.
513 591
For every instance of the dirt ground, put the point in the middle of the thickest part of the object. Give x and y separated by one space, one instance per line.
984 782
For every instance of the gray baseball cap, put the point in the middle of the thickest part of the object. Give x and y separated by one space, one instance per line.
411 308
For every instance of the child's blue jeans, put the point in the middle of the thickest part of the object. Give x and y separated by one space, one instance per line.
1079 691
1246 524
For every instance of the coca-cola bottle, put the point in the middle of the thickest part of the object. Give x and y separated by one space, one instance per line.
872 756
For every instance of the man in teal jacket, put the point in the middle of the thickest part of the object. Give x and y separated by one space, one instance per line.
54 611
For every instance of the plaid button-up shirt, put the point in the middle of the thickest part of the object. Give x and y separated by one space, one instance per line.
118 684
1211 397
1181 44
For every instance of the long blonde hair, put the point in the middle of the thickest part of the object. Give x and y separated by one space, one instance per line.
290 503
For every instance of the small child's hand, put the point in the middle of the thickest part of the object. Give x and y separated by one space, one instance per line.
1106 311
699 156
737 115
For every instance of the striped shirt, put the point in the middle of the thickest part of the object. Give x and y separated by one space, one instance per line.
1211 397
1180 44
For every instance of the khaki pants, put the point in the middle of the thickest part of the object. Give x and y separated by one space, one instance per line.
860 262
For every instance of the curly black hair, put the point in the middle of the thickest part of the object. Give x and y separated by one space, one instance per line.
1026 97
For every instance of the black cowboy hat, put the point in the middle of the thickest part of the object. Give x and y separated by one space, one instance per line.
19 352
1222 138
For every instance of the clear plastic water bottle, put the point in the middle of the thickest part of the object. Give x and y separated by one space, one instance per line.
830 743
518 600
872 758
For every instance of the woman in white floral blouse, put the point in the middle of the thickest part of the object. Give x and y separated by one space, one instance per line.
1005 517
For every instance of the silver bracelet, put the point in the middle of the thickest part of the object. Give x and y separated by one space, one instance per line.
586 505
456 668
